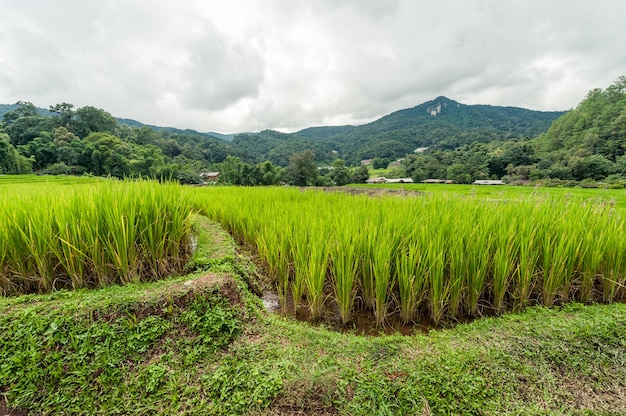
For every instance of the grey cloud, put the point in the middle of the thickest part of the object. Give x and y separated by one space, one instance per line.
249 65
219 71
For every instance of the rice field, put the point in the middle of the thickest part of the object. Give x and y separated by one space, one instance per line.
434 257
91 234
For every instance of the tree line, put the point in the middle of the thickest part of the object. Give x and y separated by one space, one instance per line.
91 141
586 144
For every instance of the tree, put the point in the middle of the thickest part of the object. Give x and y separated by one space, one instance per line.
10 160
181 169
231 170
458 173
65 113
380 163
594 167
148 161
7 155
339 173
68 146
106 154
24 123
361 174
42 149
302 170
251 175
511 153
271 174
93 120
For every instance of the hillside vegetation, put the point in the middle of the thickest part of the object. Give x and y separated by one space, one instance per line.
441 123
64 140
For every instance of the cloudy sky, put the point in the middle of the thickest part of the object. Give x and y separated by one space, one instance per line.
249 65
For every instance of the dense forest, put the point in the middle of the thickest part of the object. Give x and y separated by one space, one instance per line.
441 124
88 140
439 139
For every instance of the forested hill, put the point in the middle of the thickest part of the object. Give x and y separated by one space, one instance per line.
7 108
596 126
441 123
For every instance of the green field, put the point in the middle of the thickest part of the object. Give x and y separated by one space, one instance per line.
427 256
618 196
202 343
90 234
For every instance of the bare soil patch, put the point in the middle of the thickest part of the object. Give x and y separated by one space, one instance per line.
4 411
373 192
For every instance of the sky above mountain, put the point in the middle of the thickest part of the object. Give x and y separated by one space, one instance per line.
248 65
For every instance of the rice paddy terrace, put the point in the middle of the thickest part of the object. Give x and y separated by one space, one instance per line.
201 343
439 257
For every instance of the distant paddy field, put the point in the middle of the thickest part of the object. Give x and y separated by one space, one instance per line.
612 196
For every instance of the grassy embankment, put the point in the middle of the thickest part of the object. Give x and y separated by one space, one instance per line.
201 344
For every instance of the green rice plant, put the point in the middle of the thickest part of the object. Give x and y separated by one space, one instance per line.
91 235
367 248
71 258
300 254
590 260
503 267
273 248
458 271
560 254
613 264
469 250
30 261
382 272
410 274
528 257
344 269
478 265
120 242
551 267
317 266
5 282
439 289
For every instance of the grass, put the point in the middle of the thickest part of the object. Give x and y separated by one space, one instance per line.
201 344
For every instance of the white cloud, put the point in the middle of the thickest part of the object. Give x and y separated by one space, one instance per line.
247 65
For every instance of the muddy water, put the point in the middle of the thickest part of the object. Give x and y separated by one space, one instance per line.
271 302
362 322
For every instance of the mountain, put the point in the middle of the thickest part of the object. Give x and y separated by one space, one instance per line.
441 123
212 135
597 126
6 108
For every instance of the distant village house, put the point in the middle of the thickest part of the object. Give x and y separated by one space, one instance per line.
209 176
382 179
446 181
488 182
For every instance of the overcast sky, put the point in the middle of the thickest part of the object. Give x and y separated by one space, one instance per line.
249 65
